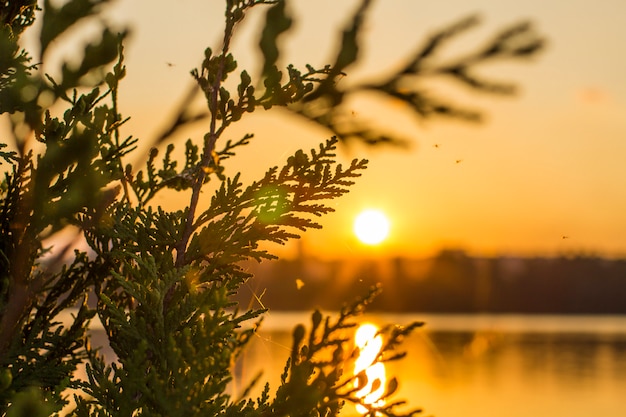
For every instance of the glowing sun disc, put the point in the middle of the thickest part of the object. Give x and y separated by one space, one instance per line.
371 227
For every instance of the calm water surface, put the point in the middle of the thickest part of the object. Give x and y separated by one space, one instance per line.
489 366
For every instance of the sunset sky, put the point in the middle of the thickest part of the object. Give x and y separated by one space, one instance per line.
544 175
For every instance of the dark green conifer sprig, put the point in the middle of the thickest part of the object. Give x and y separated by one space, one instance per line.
42 194
269 208
316 94
15 62
161 354
166 319
319 372
10 156
324 105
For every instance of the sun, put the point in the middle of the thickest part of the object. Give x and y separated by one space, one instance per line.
371 227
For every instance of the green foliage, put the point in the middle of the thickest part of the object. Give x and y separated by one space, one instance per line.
324 104
15 17
315 377
162 282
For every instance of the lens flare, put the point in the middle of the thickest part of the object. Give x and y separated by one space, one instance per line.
369 343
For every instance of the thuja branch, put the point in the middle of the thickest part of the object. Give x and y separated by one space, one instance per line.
213 73
326 104
275 208
211 90
317 374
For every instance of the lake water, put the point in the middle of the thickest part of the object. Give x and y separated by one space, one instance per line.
489 366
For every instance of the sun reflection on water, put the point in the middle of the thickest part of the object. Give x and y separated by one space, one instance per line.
369 343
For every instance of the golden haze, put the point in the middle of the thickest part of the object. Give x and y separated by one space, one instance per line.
544 175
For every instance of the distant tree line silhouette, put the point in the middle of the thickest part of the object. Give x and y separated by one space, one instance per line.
450 282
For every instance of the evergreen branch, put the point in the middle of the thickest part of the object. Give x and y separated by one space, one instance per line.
323 105
346 56
229 146
10 157
276 23
315 377
238 219
58 20
214 72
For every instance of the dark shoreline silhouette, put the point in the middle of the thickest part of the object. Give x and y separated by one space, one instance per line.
450 282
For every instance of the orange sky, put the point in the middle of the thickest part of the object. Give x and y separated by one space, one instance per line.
548 163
